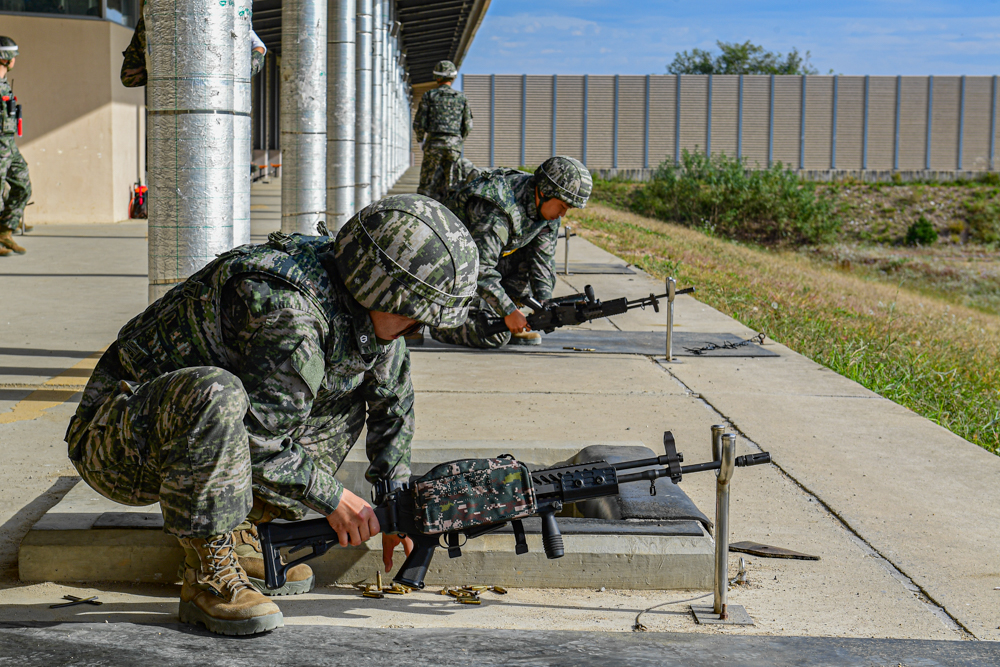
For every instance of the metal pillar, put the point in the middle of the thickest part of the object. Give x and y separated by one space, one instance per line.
378 40
671 295
190 137
864 140
833 136
363 105
303 115
930 119
242 122
340 106
708 124
728 459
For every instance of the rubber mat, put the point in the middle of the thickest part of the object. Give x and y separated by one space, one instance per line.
648 343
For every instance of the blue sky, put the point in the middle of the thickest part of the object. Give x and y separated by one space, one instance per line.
881 37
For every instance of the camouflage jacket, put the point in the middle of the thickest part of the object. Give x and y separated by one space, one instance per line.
133 72
499 210
444 117
8 123
279 317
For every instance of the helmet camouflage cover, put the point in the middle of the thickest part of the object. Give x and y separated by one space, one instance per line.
445 70
409 255
565 178
8 48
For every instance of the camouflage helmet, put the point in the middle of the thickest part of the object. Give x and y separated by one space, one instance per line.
8 48
409 255
445 70
565 178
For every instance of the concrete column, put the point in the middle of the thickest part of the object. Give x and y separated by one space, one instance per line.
190 137
242 123
378 37
303 115
363 105
340 119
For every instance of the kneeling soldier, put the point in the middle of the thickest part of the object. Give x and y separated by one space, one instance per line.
235 397
514 218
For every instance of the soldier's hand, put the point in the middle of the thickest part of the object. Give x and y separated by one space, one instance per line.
517 322
354 520
390 542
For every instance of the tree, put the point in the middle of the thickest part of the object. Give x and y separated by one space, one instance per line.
745 58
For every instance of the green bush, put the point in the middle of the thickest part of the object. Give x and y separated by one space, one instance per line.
921 232
720 195
982 221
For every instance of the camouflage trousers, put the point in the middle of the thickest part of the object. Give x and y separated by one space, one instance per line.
13 172
180 440
440 171
516 282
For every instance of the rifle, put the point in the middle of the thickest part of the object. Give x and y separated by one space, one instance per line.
573 309
553 487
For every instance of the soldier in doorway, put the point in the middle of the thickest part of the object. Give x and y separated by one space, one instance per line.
13 168
442 122
514 218
235 397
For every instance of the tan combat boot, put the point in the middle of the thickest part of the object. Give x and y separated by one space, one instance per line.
4 251
299 579
217 593
526 338
7 240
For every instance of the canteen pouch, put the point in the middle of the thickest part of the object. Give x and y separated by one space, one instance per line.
473 492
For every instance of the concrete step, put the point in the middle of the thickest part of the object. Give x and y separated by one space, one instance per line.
87 538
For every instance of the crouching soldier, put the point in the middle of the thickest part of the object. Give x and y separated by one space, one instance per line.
235 397
514 218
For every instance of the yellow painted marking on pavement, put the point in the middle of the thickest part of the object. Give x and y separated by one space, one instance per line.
53 392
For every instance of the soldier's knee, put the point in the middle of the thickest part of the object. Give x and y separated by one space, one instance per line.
208 388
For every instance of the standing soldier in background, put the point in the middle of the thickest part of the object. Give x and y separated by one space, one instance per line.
445 119
13 168
514 218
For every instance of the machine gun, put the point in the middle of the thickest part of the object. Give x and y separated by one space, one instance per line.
574 309
397 512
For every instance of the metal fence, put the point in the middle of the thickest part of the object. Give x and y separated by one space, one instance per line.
815 124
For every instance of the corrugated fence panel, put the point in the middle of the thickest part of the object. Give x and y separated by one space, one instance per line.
694 108
976 137
850 121
881 121
600 121
913 123
819 122
631 121
507 142
756 119
662 112
944 132
787 120
538 139
477 144
725 109
569 132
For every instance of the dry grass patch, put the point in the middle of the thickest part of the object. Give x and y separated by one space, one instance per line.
938 359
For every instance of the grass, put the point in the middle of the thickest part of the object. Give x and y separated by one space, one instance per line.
936 358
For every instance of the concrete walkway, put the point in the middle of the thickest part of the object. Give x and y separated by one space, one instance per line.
904 515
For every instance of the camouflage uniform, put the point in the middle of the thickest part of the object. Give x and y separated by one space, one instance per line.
133 72
13 168
517 249
445 118
252 378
